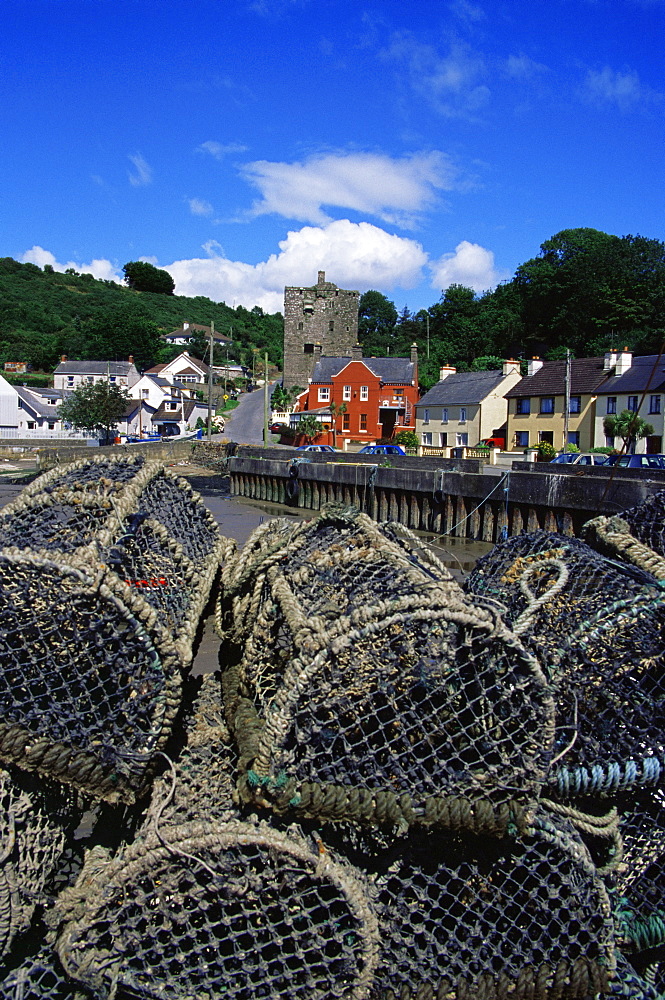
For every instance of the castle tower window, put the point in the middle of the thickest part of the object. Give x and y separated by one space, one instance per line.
308 348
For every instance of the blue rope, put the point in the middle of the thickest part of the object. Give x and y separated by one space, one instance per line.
610 777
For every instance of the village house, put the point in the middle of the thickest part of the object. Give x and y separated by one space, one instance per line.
186 333
360 399
635 384
185 368
537 404
70 375
465 408
31 413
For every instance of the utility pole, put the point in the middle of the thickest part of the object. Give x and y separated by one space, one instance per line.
265 400
566 404
428 335
212 333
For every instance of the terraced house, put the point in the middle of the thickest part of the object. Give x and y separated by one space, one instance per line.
638 385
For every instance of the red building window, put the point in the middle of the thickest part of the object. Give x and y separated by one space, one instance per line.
346 421
363 421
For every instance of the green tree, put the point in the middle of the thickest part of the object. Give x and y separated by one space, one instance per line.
627 425
336 410
377 317
309 427
96 408
144 277
407 439
487 363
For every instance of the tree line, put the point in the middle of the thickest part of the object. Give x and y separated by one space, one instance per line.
585 291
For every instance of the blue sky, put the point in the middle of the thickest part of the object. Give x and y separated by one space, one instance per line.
244 145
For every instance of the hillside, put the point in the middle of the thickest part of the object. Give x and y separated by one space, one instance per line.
44 314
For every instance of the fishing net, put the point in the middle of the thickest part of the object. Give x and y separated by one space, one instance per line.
35 821
41 977
599 626
105 568
362 684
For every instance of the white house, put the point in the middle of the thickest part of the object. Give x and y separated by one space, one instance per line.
69 375
184 368
185 333
31 413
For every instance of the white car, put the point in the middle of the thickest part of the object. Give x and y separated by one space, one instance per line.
580 458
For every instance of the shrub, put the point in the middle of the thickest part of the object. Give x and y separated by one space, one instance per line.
546 451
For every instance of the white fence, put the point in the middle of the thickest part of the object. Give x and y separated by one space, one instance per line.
12 433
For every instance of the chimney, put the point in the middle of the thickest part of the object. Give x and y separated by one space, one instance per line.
509 366
414 354
624 361
185 325
131 359
322 277
63 358
533 366
356 352
445 371
609 360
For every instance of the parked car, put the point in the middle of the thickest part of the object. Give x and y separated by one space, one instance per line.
496 441
580 458
278 428
316 447
382 449
638 461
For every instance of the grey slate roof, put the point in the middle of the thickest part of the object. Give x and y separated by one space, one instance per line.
37 403
392 371
94 368
645 373
586 374
462 387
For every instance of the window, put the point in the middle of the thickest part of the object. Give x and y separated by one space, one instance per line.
364 393
426 417
90 378
308 348
523 406
51 402
398 393
462 440
112 378
654 404
70 380
611 404
443 439
331 325
521 439
171 406
51 426
609 442
444 415
547 404
144 393
462 414
547 437
632 404
346 392
574 438
363 421
300 326
346 421
20 404
324 394
427 437
575 404
31 425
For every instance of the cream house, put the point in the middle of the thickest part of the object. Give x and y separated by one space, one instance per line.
464 408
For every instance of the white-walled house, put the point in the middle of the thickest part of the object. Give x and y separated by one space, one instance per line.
32 413
185 333
70 375
636 384
464 408
185 368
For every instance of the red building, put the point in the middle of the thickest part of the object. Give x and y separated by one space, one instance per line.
362 399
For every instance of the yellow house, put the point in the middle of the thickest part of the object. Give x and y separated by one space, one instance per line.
536 405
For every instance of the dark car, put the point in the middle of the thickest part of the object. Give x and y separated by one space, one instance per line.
278 428
637 461
382 449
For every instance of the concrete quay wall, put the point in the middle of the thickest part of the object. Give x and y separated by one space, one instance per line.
462 503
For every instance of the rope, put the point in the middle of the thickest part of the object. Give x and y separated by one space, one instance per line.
471 513
522 623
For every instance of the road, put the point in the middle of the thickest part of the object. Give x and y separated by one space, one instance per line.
244 425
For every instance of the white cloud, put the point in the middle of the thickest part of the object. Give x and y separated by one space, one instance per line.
354 255
470 265
523 67
198 206
219 150
624 90
143 171
393 190
99 267
451 82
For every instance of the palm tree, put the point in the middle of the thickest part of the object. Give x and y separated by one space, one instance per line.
628 426
336 410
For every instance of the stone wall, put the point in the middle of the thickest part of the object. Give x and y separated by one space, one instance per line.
321 314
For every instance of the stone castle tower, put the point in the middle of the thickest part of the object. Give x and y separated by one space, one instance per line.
323 314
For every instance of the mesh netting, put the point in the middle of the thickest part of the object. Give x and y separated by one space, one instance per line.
488 919
100 609
368 687
598 625
35 820
41 977
232 910
647 522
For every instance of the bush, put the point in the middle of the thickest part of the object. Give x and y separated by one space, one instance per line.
572 449
407 439
546 451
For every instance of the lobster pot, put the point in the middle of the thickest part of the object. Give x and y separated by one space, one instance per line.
646 522
221 910
368 688
100 607
485 919
628 984
41 977
35 823
599 626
